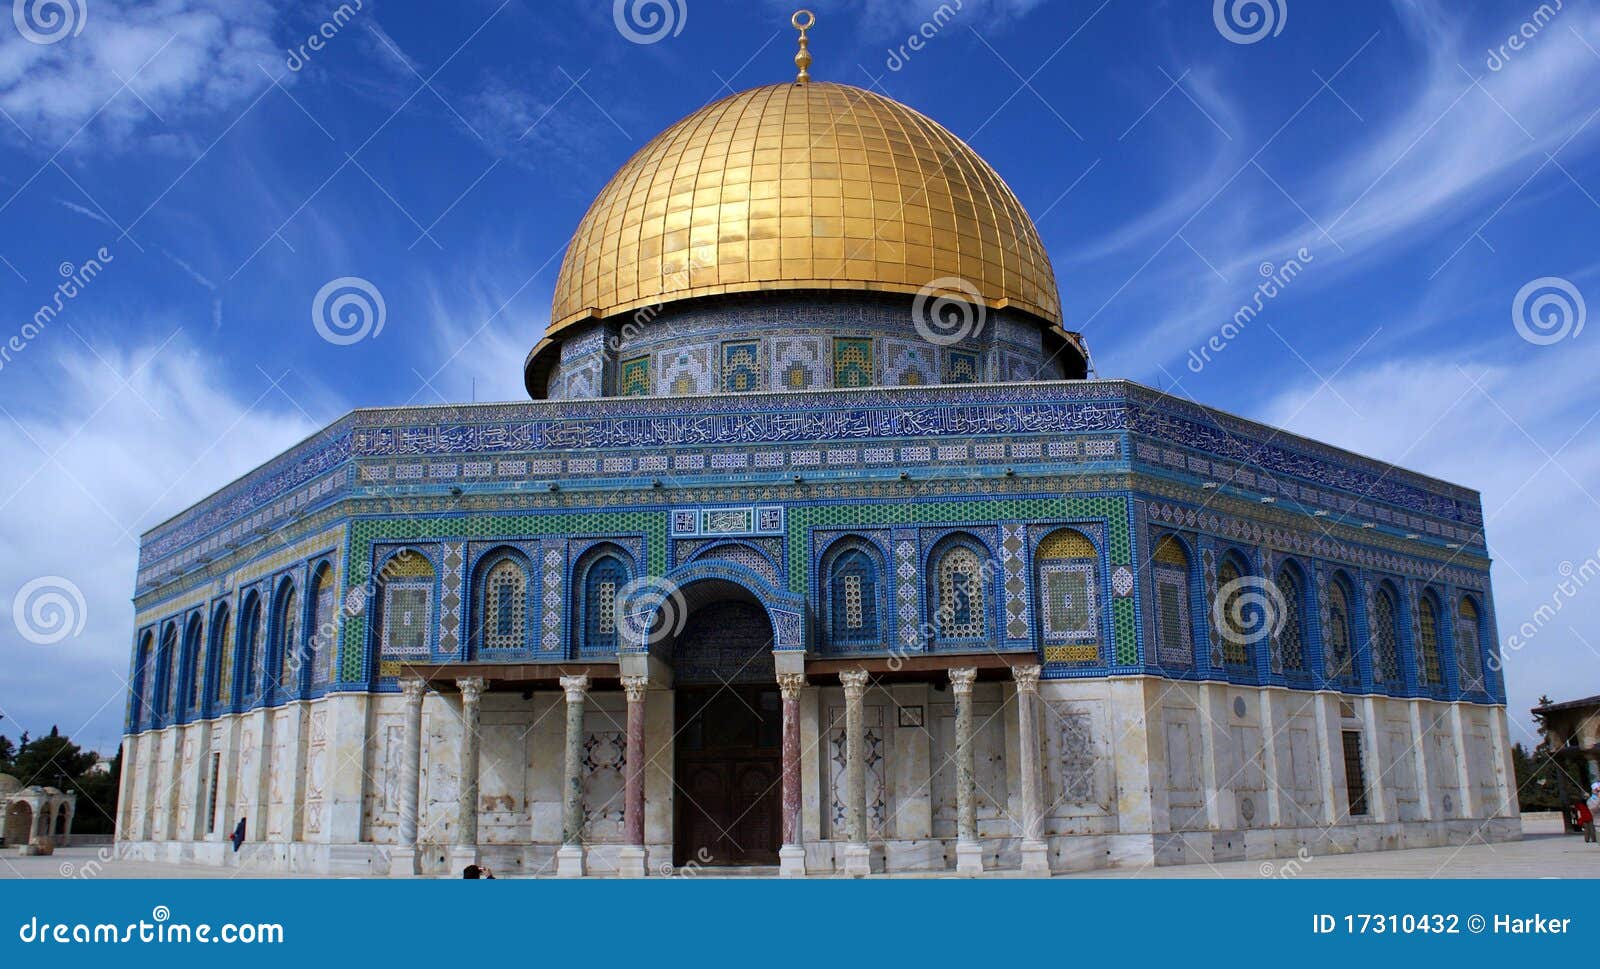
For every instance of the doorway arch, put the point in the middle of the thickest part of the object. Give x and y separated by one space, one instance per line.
727 751
19 823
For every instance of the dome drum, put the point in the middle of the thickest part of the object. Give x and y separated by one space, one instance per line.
794 341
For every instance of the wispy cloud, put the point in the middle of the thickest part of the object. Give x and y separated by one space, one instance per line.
136 65
1461 140
130 437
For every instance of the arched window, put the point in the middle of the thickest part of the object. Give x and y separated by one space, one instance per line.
1469 658
1385 638
503 604
143 678
194 665
959 603
406 624
253 642
1289 642
1174 630
222 648
1226 608
166 668
286 646
850 594
1339 637
603 580
1429 672
1068 584
323 645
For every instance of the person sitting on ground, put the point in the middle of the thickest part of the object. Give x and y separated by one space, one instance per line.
476 871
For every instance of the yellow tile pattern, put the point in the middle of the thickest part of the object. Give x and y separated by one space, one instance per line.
815 186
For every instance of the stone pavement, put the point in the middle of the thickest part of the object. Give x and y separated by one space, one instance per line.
1543 853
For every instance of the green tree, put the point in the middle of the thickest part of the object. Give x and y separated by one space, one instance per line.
52 761
8 751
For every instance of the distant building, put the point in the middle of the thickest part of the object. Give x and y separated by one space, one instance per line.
35 819
1574 725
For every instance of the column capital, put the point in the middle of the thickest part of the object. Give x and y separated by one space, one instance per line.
855 683
1027 678
413 688
962 678
471 688
575 687
790 684
633 685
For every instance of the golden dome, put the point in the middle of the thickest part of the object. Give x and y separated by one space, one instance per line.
803 186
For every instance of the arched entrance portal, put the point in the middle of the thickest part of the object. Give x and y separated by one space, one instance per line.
19 823
729 731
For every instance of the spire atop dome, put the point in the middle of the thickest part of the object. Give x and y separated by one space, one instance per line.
803 20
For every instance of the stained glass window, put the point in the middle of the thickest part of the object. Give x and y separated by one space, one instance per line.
167 665
960 600
505 609
288 646
1428 670
143 677
604 580
1469 660
1235 642
253 636
1174 633
852 598
194 665
1291 628
1385 639
606 606
406 621
324 645
222 635
1341 658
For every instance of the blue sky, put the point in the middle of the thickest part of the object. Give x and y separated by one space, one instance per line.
1427 170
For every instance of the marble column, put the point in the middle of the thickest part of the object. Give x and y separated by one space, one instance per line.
569 858
631 857
1035 854
857 856
465 850
792 856
969 851
403 858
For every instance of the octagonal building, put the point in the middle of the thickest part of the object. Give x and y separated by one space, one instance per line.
815 550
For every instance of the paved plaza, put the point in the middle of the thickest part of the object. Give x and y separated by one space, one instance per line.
1543 853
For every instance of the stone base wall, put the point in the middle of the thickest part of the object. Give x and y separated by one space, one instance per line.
1134 771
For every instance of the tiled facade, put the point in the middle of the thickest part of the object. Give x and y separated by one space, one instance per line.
1061 490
